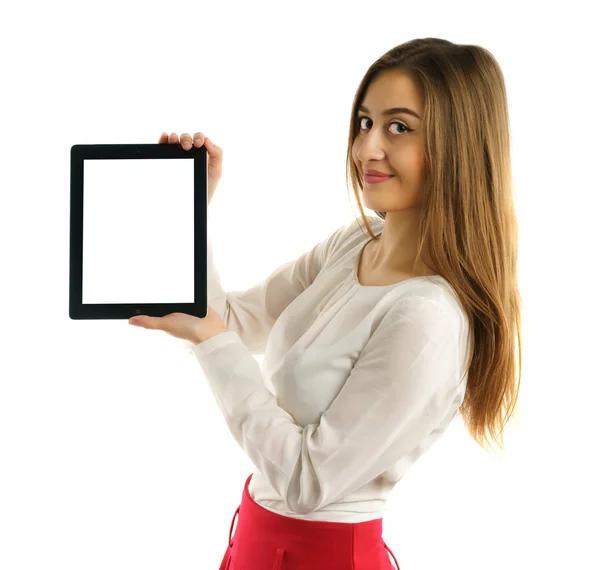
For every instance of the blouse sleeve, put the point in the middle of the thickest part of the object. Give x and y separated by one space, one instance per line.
404 383
252 313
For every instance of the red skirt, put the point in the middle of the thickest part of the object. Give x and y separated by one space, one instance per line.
265 540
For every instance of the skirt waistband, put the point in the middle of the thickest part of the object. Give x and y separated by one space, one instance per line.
263 533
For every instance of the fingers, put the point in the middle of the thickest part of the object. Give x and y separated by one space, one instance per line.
197 141
185 140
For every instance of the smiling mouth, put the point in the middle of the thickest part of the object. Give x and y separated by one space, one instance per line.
377 176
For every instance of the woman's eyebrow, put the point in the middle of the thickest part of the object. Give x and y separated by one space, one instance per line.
393 111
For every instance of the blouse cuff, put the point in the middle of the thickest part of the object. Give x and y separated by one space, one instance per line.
213 343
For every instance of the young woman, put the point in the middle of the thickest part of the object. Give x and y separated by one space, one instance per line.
372 342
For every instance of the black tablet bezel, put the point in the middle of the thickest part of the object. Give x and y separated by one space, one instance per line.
81 152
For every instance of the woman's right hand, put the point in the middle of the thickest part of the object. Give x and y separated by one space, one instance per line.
215 155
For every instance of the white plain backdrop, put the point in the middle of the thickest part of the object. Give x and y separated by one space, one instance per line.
113 453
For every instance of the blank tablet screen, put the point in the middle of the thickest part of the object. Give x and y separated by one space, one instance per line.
137 232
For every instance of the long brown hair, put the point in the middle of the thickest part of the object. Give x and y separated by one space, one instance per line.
468 218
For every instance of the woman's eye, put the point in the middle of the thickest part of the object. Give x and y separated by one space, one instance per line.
360 119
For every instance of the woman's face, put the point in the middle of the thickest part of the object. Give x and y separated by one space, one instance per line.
391 143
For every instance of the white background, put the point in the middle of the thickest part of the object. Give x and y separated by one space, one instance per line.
113 453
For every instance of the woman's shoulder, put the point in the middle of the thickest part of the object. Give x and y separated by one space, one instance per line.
432 297
358 225
347 237
355 230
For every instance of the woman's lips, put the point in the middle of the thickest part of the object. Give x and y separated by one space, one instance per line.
371 179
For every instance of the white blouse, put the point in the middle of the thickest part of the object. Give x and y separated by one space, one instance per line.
357 381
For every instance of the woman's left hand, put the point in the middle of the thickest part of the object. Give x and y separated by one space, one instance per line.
181 325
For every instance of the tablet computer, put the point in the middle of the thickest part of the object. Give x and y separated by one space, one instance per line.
138 231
